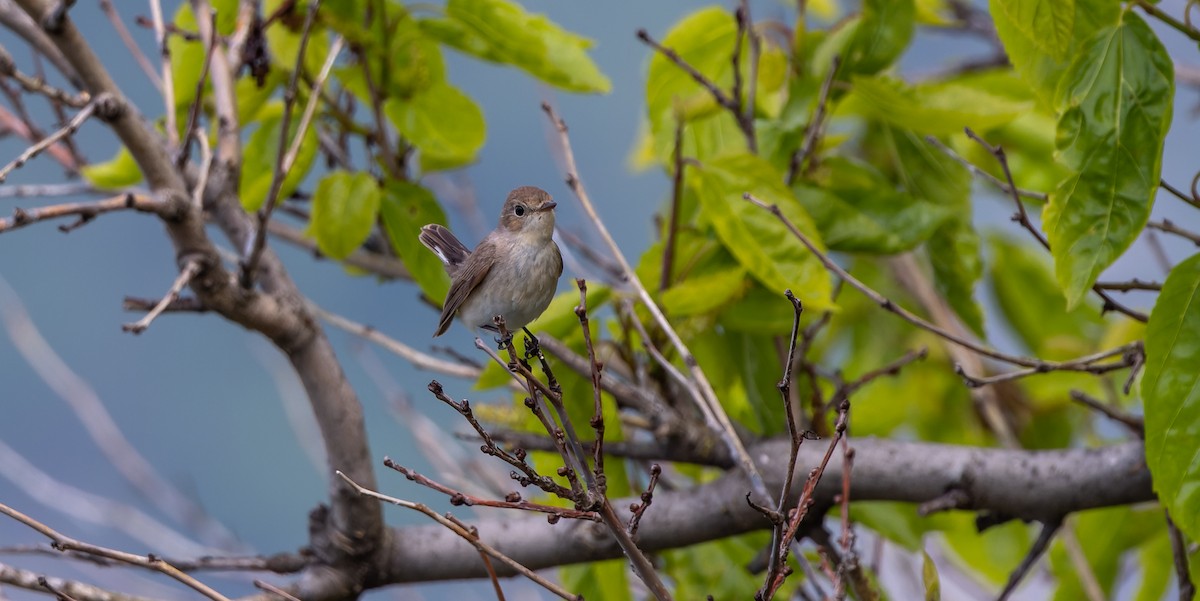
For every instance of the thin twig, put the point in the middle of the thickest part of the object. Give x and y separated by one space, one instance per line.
988 177
720 96
1022 217
417 358
1130 286
189 271
271 588
796 436
892 307
1168 226
668 260
131 44
647 497
189 129
597 422
259 241
37 85
1187 589
813 131
67 130
1035 551
1177 193
1132 422
1131 355
168 83
86 211
514 502
466 535
708 396
65 543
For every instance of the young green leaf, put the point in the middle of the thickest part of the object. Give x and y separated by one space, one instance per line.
445 124
343 212
501 31
1038 61
756 237
1115 103
1171 392
405 208
1049 25
929 576
858 210
937 109
953 248
117 172
258 158
706 292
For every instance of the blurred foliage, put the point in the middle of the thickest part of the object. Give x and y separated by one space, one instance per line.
1081 113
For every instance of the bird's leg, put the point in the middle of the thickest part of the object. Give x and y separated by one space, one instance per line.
502 342
533 348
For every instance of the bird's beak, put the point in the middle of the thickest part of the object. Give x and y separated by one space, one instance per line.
548 206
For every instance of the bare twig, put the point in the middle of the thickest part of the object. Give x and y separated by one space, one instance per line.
417 358
466 535
514 501
1187 588
1132 422
33 581
86 211
708 396
1035 551
1130 286
1168 226
723 99
274 590
168 82
65 543
815 124
1177 193
668 260
647 497
255 251
598 411
111 12
1022 217
52 190
1038 196
1131 355
189 271
67 130
37 85
189 129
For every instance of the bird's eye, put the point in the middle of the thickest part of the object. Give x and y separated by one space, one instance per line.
519 210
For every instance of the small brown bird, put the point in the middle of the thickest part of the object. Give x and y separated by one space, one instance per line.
513 272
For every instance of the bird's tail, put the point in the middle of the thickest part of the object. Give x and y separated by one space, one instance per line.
443 244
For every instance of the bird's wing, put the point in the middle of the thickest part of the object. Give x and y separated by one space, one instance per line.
469 275
445 245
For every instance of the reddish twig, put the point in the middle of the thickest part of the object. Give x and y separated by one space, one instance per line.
639 509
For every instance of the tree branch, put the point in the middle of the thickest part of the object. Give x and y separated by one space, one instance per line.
1029 485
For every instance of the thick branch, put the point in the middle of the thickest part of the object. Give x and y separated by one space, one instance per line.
1030 485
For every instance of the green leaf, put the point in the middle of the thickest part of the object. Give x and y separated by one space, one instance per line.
759 241
1116 108
283 40
187 60
897 522
1105 536
938 109
403 60
1171 392
445 124
602 580
343 212
1032 59
501 31
258 159
405 209
704 293
858 210
705 40
929 577
1049 25
118 172
1024 287
953 249
707 569
869 42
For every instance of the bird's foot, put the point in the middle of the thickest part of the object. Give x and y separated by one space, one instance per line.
533 348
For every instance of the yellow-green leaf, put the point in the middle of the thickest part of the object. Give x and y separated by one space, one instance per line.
405 208
1115 103
118 172
754 236
343 212
1171 392
442 122
501 31
259 156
